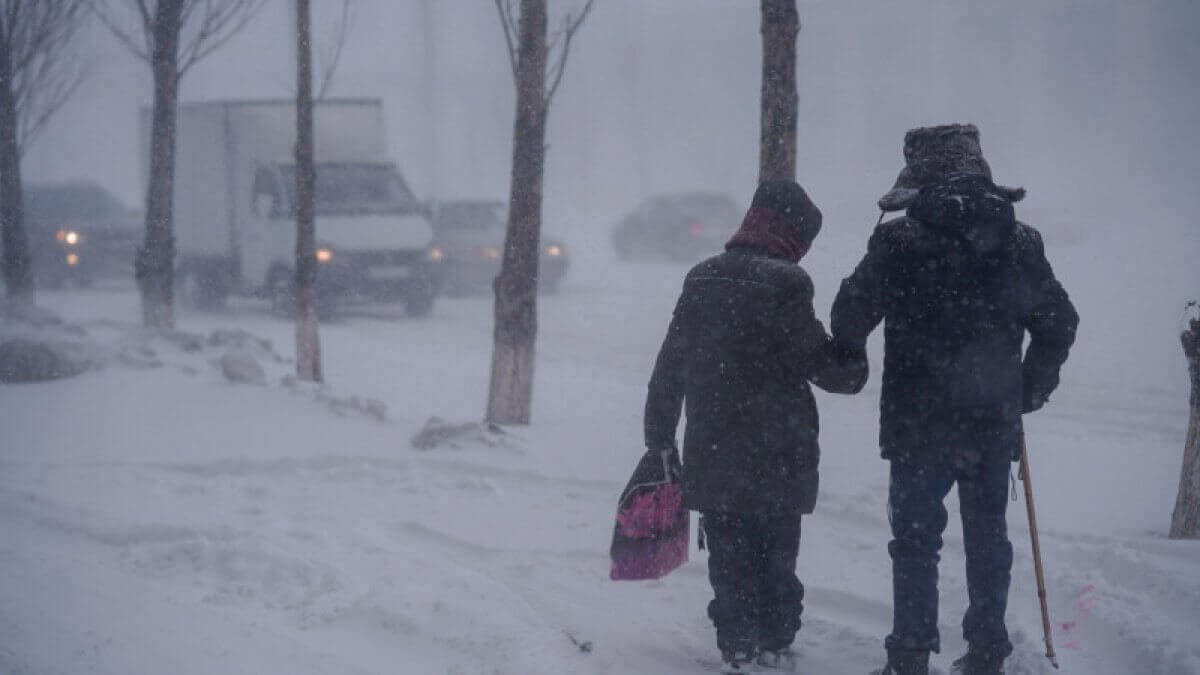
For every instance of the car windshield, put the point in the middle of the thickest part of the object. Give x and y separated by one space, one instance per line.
468 217
58 205
345 188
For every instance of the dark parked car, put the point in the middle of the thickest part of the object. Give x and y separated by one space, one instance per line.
678 226
78 232
469 236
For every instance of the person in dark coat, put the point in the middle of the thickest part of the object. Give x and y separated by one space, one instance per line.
959 282
742 347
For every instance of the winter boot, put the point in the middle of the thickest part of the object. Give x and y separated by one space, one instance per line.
737 661
781 659
906 662
978 662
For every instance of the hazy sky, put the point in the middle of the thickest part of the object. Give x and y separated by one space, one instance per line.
1083 102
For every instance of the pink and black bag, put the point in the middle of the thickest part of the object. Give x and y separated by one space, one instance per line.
650 536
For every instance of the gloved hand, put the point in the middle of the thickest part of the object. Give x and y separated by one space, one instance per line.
1033 399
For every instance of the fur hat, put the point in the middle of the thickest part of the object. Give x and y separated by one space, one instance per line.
934 154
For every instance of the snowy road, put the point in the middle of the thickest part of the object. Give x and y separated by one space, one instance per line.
159 520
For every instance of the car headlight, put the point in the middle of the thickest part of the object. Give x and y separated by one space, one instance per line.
554 251
324 254
68 237
435 254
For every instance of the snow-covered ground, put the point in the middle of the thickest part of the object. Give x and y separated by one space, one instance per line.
159 519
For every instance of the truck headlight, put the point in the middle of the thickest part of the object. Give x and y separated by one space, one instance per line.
68 237
554 250
324 255
435 254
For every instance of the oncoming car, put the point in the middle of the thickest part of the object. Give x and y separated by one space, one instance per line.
469 235
677 226
78 232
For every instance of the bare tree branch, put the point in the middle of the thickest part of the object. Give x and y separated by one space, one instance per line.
58 82
508 22
570 26
44 70
330 57
207 25
220 21
38 72
136 41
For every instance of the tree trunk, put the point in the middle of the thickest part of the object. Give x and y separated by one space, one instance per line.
154 266
510 395
1185 521
777 139
18 271
308 343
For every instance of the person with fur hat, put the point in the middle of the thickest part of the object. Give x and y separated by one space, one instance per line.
742 347
959 283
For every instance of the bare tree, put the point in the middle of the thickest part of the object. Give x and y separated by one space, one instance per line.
777 136
330 53
510 393
1185 521
171 36
308 343
38 73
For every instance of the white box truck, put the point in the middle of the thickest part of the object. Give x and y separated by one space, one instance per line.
235 208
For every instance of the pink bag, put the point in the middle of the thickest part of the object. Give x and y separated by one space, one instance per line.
650 536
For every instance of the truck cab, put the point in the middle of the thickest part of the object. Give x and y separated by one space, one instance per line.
373 239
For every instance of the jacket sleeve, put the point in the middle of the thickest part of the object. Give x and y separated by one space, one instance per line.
664 396
1051 322
823 362
860 304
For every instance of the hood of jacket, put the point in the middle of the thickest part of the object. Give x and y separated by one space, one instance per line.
968 207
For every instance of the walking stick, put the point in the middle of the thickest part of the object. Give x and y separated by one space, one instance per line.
1037 552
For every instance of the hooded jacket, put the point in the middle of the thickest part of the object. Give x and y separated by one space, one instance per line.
741 349
959 282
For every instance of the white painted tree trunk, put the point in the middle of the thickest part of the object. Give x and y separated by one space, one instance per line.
154 266
308 342
512 383
1185 521
510 393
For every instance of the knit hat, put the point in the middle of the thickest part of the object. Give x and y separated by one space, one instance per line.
932 155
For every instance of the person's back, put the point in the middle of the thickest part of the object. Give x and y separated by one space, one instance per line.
752 344
958 282
742 347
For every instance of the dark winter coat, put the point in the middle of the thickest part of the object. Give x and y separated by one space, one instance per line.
958 281
741 349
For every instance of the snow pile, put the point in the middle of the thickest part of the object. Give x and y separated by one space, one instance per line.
36 345
438 433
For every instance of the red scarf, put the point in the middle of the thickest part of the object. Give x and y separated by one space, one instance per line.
763 228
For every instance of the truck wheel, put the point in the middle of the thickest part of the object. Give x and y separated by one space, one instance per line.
202 289
419 303
283 294
327 307
49 281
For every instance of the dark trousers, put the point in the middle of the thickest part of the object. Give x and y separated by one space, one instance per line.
752 569
918 514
